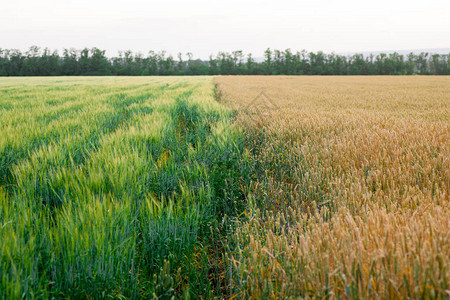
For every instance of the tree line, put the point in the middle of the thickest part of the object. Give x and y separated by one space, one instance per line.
45 62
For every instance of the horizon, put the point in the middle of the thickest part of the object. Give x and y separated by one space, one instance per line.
441 51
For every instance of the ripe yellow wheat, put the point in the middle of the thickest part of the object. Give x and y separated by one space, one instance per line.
352 190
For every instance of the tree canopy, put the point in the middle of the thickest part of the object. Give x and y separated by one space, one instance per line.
45 62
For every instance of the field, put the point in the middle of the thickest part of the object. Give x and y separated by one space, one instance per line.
111 186
194 187
352 190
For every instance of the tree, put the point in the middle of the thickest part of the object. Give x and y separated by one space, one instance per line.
268 61
98 64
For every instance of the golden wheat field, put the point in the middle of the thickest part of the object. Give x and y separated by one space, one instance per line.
351 190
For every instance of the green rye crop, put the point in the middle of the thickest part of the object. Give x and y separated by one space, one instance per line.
114 187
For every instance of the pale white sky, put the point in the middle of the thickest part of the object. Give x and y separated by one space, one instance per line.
206 27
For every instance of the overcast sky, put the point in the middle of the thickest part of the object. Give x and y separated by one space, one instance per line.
206 27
